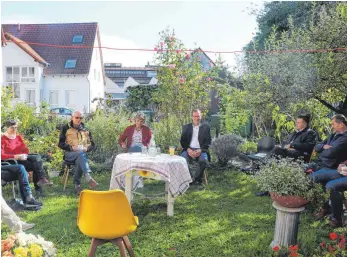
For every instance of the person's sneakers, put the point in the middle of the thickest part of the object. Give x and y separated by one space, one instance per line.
26 226
334 223
78 190
33 202
44 182
92 183
262 193
196 182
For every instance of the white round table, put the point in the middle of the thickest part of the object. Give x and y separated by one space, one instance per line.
171 169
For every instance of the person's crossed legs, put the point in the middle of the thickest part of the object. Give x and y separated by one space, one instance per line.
82 167
17 172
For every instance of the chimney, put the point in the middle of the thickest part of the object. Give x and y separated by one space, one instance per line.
18 26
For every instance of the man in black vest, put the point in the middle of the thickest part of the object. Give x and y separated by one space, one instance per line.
300 143
195 141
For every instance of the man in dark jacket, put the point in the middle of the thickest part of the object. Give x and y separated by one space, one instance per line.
333 150
195 141
76 140
300 143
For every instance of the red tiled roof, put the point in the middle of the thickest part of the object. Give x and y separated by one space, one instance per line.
22 44
58 34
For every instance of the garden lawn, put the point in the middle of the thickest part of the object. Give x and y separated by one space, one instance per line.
222 219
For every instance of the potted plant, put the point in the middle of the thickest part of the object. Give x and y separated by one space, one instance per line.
288 185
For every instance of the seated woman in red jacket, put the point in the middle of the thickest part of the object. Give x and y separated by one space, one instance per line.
13 146
136 136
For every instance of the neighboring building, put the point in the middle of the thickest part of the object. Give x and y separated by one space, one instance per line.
39 66
120 75
120 78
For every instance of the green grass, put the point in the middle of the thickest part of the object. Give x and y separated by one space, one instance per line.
222 219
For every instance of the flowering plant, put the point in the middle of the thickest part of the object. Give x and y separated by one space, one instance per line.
335 247
291 251
26 245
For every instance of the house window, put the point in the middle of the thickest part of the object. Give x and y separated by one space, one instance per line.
77 39
30 96
53 97
28 74
13 79
69 97
70 64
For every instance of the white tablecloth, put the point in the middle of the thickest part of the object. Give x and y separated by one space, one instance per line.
173 169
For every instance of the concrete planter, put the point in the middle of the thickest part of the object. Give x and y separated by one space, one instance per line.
288 201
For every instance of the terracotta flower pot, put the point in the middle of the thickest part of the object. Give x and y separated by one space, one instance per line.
289 201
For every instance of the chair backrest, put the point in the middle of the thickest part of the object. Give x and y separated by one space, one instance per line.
105 214
265 145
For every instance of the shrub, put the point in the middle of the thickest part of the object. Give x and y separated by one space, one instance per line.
40 144
106 128
167 132
248 147
225 147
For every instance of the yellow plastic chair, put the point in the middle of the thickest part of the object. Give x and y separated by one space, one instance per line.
106 216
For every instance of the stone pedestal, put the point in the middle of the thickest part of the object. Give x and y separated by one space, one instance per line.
287 225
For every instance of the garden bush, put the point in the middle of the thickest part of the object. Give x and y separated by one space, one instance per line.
167 132
105 129
225 147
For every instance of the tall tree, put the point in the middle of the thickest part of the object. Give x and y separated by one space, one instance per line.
290 76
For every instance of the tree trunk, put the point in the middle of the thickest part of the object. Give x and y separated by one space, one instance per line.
342 110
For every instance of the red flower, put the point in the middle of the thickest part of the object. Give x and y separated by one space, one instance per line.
333 236
172 66
293 247
177 51
188 56
342 238
155 48
276 248
172 38
322 244
294 254
181 80
341 245
161 43
208 79
331 249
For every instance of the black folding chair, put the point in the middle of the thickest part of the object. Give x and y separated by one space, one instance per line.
4 183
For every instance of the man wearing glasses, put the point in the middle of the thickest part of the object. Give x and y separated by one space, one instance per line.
77 140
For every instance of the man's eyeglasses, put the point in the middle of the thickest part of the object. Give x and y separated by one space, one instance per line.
79 118
12 127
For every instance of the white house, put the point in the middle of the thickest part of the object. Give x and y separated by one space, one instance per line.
61 64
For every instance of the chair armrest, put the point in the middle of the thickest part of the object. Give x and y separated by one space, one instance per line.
11 161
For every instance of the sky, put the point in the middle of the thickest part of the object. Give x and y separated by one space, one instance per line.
211 25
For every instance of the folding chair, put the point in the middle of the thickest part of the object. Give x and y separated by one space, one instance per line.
3 182
67 171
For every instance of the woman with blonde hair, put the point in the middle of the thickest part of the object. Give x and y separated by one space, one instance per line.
136 136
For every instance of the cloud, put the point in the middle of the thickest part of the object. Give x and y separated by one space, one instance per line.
127 58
